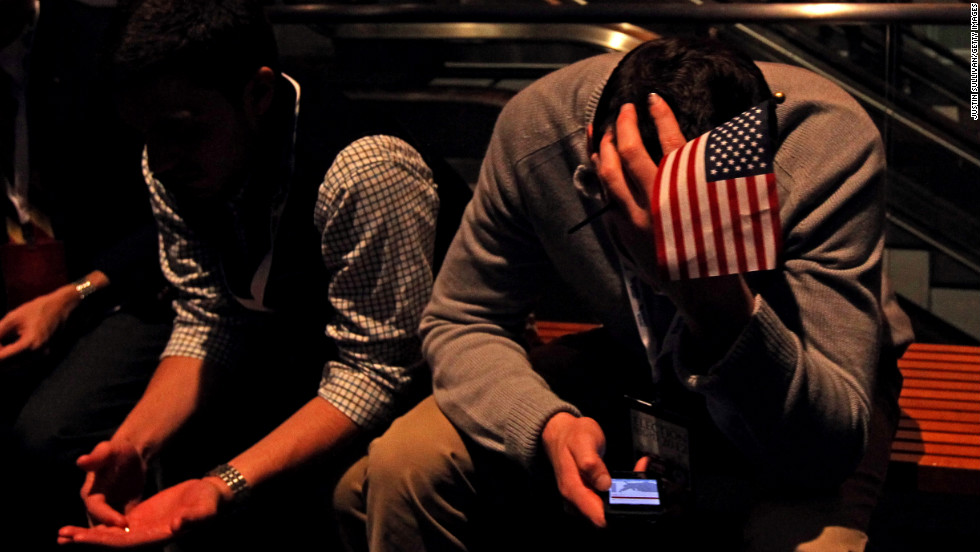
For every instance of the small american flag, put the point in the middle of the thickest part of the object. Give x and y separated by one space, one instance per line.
715 203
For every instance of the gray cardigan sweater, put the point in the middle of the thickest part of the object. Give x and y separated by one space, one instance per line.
794 392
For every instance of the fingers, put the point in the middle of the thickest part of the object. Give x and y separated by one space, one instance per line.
575 482
7 324
113 537
66 535
634 203
95 459
574 489
107 536
32 324
95 502
575 447
630 176
635 162
590 473
669 132
642 464
14 348
101 512
591 468
11 326
640 168
610 170
624 164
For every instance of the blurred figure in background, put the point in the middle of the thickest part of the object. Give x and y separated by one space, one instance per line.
86 314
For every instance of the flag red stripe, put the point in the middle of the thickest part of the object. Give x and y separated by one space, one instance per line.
755 220
675 215
699 247
658 221
777 230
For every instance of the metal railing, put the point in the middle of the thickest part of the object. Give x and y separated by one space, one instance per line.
633 12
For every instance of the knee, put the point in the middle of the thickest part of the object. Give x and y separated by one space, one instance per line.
803 524
39 436
420 456
348 495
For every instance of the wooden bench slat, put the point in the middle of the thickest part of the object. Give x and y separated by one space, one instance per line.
948 385
956 406
938 372
953 361
938 437
966 370
941 395
937 449
936 461
970 349
938 426
967 360
940 415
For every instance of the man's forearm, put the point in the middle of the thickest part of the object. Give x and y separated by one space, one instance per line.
172 395
69 296
315 429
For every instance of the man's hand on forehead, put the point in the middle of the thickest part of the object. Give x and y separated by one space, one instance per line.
628 172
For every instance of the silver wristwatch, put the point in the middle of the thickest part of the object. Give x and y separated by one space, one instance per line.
84 288
234 479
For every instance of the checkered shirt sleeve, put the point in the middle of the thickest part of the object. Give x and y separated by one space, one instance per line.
206 317
376 212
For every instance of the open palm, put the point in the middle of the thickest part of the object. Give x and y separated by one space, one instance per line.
157 519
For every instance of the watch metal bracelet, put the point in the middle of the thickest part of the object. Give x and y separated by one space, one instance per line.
84 288
234 479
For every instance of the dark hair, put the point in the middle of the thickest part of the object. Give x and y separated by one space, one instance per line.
215 43
705 83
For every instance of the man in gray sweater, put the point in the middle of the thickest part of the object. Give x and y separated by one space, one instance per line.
786 377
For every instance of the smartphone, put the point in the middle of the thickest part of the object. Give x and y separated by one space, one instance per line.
634 494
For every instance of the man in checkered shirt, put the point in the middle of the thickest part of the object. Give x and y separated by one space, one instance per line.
234 177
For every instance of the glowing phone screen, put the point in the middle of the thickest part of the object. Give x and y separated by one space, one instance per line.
634 491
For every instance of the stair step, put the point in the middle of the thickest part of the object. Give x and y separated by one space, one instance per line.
959 307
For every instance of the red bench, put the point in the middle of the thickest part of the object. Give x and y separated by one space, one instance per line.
937 445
